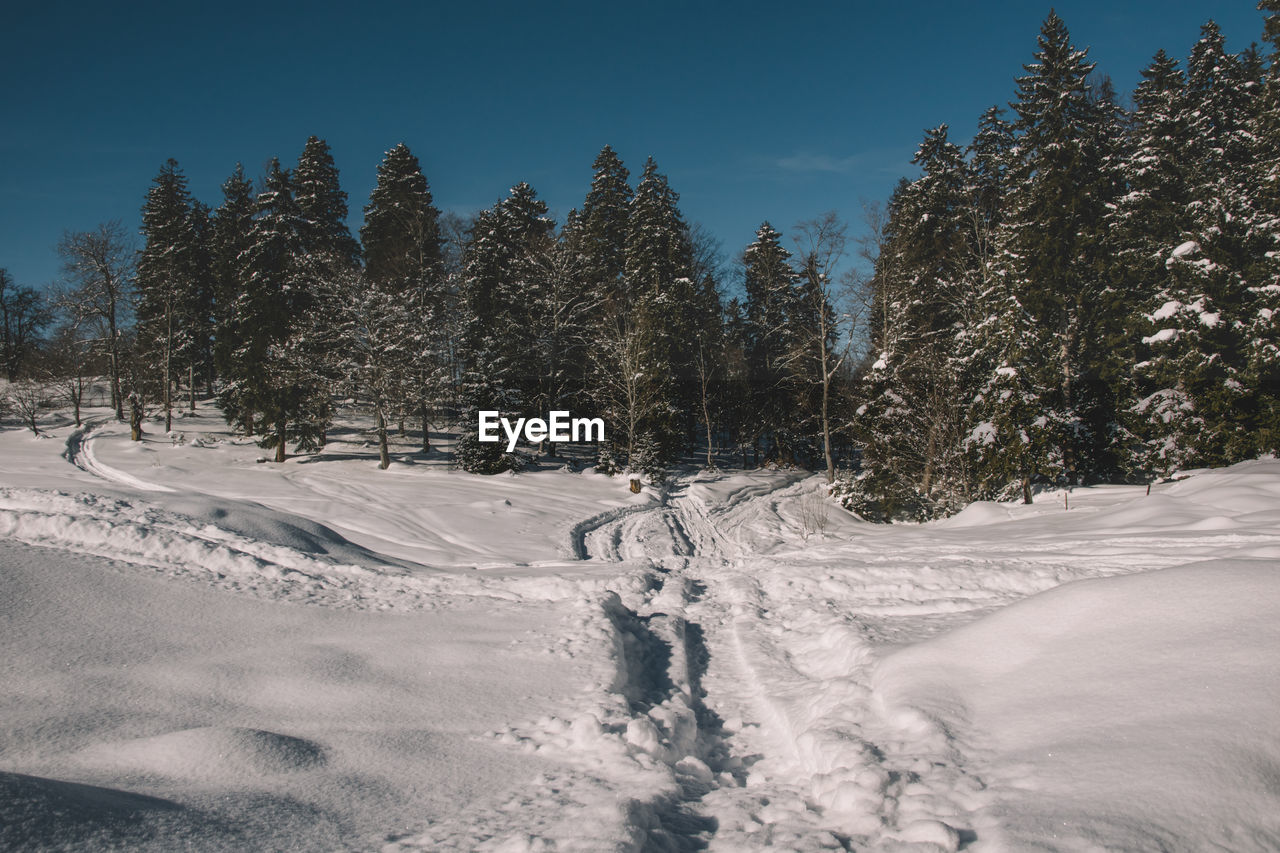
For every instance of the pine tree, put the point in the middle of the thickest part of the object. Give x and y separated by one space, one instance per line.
770 284
501 279
599 233
172 285
1203 403
322 206
912 421
1054 279
1263 309
658 274
276 366
232 234
403 256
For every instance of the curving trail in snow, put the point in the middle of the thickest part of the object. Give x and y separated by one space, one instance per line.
80 453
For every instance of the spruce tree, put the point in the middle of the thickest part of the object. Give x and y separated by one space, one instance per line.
1263 310
657 273
168 292
770 284
1052 242
232 234
912 420
502 277
322 206
276 367
403 257
599 233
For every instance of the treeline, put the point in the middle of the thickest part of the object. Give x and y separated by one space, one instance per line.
271 304
1084 293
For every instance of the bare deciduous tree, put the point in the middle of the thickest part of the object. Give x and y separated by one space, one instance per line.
98 268
28 396
823 339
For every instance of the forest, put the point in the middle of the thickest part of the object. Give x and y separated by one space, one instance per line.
1084 292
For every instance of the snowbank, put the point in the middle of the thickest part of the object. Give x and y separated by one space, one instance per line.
1134 712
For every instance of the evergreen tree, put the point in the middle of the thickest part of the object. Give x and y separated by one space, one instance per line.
322 206
232 235
171 284
912 420
275 369
1053 244
770 284
1203 403
403 256
1263 310
658 272
599 232
502 277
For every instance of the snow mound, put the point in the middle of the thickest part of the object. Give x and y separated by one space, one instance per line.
215 752
49 814
1135 711
977 514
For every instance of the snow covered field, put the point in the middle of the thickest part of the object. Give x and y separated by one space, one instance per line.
206 651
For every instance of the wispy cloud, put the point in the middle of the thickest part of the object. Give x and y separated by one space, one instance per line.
807 162
876 161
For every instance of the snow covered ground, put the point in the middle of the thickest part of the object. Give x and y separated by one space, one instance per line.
207 651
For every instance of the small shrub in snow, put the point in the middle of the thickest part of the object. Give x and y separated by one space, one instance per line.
607 460
883 503
813 515
482 457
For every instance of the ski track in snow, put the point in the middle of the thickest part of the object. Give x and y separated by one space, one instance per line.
80 453
732 705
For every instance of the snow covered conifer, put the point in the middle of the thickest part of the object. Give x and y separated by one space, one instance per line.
1052 264
501 282
912 420
322 206
658 274
274 363
232 233
599 234
167 282
402 246
770 284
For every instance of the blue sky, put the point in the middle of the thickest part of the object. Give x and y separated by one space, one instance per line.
754 110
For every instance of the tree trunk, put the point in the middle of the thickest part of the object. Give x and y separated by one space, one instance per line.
384 457
826 431
135 420
117 397
280 434
706 418
1026 489
168 373
191 383
426 429
930 451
